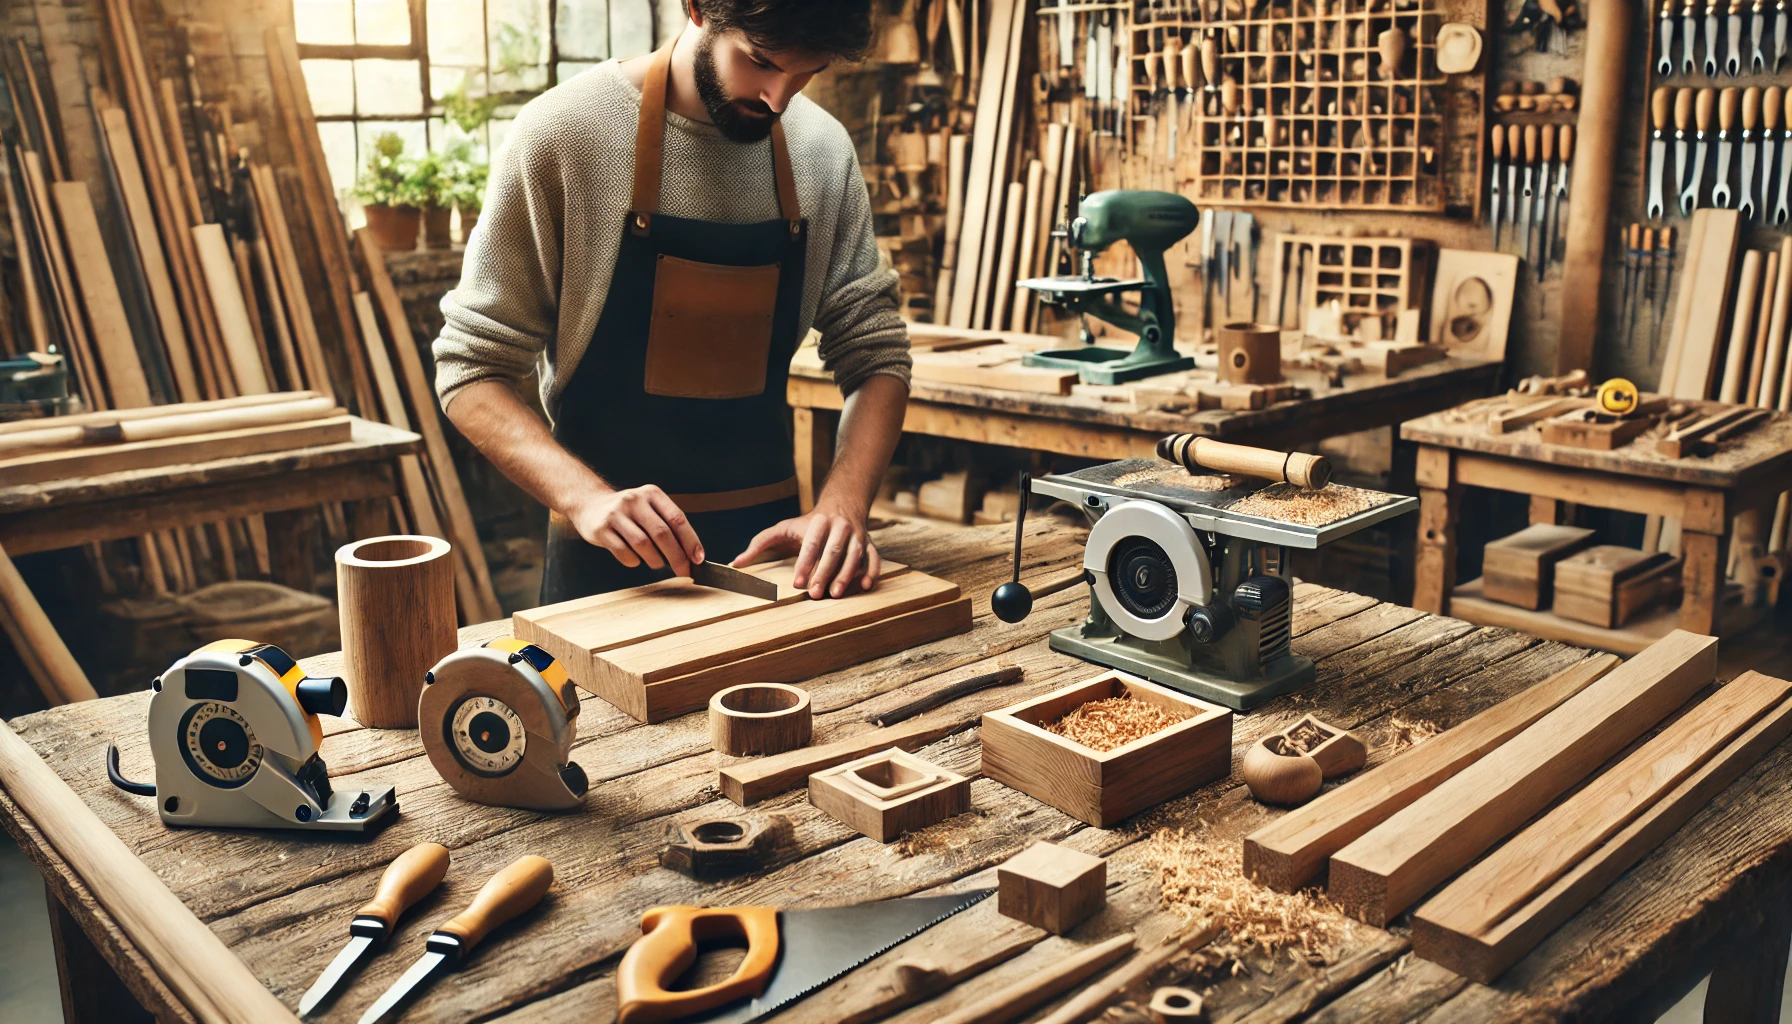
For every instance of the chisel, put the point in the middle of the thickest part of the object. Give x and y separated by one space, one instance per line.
1779 34
1548 142
1645 274
509 893
1565 158
1733 41
1751 116
1683 104
1705 106
1757 21
1711 62
1664 256
1632 259
1530 190
1658 149
1728 101
1499 159
410 877
1689 34
1665 66
1772 107
1514 147
1781 211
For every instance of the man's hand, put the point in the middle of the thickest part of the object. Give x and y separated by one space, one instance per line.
833 550
639 524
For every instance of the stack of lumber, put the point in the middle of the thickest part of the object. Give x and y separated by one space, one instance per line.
225 280
663 650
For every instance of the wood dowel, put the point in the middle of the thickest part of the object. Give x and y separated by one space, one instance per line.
110 417
1198 453
1096 997
150 428
1002 298
113 349
61 680
1018 999
1742 328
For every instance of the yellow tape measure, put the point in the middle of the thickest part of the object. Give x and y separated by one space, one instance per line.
1617 396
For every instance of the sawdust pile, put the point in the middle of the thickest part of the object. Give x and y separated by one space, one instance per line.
1403 734
1102 725
1290 504
1173 476
1304 737
1203 877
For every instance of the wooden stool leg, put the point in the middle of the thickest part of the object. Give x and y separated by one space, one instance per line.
91 990
1547 511
1746 987
1702 579
814 429
1440 503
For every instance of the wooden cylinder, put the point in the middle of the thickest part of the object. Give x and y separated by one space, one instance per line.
1604 49
759 718
1198 453
1250 353
396 597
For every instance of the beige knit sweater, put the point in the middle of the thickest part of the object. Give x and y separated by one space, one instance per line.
537 267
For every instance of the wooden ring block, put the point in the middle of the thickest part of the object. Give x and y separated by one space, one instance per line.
849 793
1172 1003
759 718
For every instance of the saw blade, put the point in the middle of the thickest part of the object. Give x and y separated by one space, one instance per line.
817 946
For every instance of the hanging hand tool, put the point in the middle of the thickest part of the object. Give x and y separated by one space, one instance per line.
1222 243
790 953
1728 101
1548 141
1530 186
1633 255
1757 21
1514 148
1066 37
1658 150
1751 116
1172 57
1244 236
1645 275
509 893
1779 34
1705 106
1499 160
1772 107
1711 26
1559 199
1780 211
1689 34
411 876
1664 257
1665 66
1683 108
1733 41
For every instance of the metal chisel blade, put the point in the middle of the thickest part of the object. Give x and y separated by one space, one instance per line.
1689 197
1747 206
419 972
1665 66
1689 31
351 956
1711 20
727 577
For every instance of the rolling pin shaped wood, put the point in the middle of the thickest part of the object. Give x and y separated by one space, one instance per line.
1196 454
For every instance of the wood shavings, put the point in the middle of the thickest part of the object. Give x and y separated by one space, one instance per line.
1290 504
1203 877
1403 734
1303 738
1102 725
1173 476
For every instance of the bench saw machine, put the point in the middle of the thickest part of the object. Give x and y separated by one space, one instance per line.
1186 590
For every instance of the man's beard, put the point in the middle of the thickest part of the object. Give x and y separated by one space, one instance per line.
739 120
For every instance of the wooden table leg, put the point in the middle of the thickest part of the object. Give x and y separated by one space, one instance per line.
814 451
1440 502
1746 986
91 990
1547 511
1702 579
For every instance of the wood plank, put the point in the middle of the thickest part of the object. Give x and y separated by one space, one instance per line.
410 470
1734 356
992 366
62 286
1001 166
1389 868
242 355
174 451
116 131
149 428
1499 910
1519 569
1289 853
1001 298
980 186
1505 421
114 347
292 283
47 658
35 322
115 416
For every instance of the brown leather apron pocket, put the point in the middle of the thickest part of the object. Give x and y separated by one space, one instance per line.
711 332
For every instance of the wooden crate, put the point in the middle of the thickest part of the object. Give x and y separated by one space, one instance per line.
1105 787
1608 585
1519 569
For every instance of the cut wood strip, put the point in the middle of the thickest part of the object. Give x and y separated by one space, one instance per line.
1735 356
1679 443
245 280
292 283
1501 908
1052 155
749 782
1389 868
1750 391
1695 248
116 352
1020 998
269 274
1767 395
416 490
1014 242
62 285
1289 852
1506 421
58 676
980 185
242 354
1090 1001
999 170
34 304
1709 290
478 601
111 417
1001 369
178 154
955 170
208 978
181 421
45 133
173 451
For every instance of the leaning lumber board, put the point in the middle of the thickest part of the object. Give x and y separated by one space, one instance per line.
34 305
62 286
34 637
1499 910
999 171
173 451
207 977
1735 354
761 778
1394 864
241 352
113 345
1289 852
1002 296
292 284
980 186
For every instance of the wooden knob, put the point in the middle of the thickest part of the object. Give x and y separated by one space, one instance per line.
409 878
1276 777
1661 106
509 893
1499 143
1751 108
1530 144
1548 138
1728 100
1707 105
1772 104
759 718
1565 143
1683 108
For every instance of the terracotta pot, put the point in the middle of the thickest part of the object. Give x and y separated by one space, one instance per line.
469 219
438 227
394 227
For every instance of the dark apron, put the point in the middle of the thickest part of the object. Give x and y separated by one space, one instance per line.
683 384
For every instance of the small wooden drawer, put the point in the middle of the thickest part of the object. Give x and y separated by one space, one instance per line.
1105 787
890 792
1608 585
1519 569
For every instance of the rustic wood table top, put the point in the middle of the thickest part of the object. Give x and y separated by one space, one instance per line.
282 901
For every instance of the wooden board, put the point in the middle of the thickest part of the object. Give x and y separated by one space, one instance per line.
113 344
1393 865
1520 568
174 451
241 352
1607 585
980 187
1587 428
1499 910
992 366
1291 851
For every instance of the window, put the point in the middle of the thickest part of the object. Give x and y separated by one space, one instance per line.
374 66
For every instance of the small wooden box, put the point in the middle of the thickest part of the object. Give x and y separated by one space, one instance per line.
1102 788
1518 570
1051 887
1608 585
890 792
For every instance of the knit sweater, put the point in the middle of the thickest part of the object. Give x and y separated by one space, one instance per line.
537 267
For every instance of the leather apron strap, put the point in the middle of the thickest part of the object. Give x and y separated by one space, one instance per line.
650 146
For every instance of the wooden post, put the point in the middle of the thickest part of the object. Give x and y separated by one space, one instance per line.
1702 580
1547 511
1440 501
1606 51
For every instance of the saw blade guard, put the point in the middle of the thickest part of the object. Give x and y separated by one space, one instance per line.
1149 569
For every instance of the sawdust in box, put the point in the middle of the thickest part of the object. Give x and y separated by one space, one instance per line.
1288 503
1113 722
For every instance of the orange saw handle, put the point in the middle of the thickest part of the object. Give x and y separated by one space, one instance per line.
668 947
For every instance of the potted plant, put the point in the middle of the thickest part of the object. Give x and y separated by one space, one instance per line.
463 184
428 181
389 195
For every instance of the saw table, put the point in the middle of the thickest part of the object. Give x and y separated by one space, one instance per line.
282 902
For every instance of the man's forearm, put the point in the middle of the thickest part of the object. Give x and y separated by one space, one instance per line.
870 426
515 439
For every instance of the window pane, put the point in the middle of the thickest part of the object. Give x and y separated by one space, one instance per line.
387 87
457 31
443 81
570 69
382 22
331 85
631 27
518 30
584 30
412 132
499 130
323 21
339 152
671 16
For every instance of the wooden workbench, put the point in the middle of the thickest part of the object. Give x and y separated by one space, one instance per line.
1098 422
282 902
1705 493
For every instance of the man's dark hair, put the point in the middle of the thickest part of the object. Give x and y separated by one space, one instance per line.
839 28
